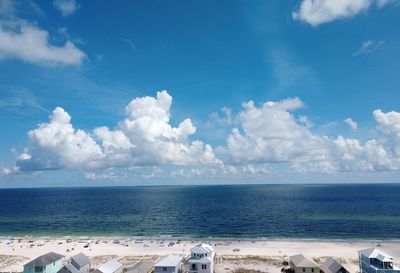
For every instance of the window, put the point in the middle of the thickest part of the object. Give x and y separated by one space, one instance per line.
304 270
312 269
203 266
164 269
38 269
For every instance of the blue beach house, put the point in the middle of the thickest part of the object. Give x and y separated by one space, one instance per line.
373 260
47 263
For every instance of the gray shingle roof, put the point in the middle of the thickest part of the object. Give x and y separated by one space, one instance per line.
68 268
331 266
301 261
81 259
45 259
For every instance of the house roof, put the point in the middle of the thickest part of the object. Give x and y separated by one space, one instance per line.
202 248
330 266
376 253
68 268
45 259
301 261
81 259
168 261
110 266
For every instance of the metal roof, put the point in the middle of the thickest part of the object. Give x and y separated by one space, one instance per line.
202 248
376 253
81 259
110 266
301 261
331 266
168 261
45 259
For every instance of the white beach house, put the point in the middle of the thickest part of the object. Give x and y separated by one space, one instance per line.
373 260
201 259
168 264
301 264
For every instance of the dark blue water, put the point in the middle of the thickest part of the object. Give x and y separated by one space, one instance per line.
250 211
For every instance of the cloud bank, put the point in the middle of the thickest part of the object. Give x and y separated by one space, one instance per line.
144 138
265 139
272 134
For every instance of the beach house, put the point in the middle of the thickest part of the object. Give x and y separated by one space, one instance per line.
79 263
201 259
332 266
168 264
112 266
47 263
373 260
300 264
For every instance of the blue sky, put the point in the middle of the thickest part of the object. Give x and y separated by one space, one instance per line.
317 63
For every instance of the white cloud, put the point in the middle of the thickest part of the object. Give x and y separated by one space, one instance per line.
223 119
145 137
368 47
271 133
352 124
66 7
316 12
25 41
267 140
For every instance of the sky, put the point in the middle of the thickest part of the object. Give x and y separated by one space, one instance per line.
98 93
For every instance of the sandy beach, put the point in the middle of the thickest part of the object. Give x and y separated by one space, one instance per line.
261 255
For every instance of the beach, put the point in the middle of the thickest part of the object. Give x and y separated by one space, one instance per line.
231 255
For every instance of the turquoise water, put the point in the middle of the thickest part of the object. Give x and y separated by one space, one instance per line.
245 211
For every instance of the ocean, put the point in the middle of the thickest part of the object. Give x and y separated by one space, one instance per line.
340 211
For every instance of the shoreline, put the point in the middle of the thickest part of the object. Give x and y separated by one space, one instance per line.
194 238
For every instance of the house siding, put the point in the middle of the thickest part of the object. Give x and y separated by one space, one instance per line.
50 268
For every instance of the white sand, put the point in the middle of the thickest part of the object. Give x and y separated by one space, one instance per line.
274 251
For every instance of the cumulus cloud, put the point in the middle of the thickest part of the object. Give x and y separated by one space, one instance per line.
316 12
266 139
351 123
272 133
25 41
66 7
144 137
